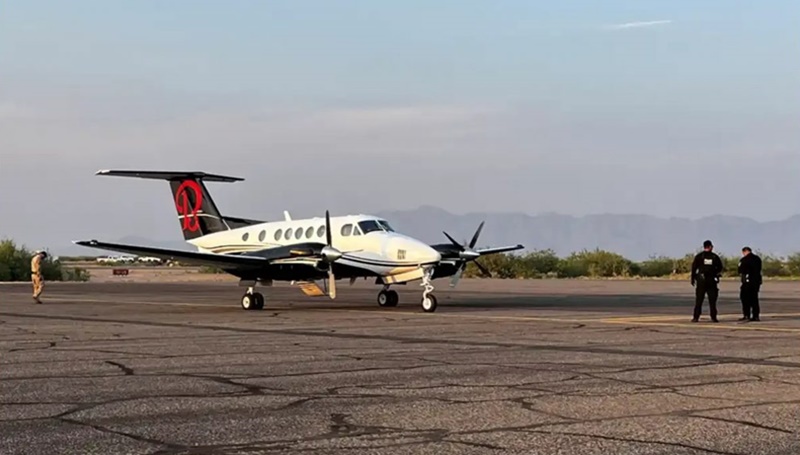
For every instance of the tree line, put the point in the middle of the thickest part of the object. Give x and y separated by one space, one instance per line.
15 265
605 264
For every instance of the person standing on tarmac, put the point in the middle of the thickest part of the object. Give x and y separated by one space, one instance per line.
750 271
706 270
36 274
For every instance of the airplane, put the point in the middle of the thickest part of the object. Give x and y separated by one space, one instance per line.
301 251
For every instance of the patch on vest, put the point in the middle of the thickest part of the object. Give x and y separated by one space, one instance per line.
708 261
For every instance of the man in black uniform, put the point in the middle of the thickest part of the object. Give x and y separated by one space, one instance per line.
750 271
706 270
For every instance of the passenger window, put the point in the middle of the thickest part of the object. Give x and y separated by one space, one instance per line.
298 233
288 234
309 232
262 236
246 236
321 231
347 229
278 234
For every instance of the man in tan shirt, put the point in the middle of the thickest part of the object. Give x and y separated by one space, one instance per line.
36 274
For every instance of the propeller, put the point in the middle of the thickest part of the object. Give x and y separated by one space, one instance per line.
467 253
330 254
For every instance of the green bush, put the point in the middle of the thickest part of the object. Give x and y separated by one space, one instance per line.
603 264
657 267
774 267
210 269
15 265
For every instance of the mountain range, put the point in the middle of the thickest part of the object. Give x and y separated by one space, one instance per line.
636 237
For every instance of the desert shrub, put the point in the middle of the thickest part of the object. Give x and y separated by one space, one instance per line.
774 267
656 267
15 265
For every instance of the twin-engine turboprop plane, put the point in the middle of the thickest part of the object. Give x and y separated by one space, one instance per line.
300 251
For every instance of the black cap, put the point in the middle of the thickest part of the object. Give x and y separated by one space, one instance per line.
707 244
748 249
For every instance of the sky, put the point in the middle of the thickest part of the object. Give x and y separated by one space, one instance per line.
682 108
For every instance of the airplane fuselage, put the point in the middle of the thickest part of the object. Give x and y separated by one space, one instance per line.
368 243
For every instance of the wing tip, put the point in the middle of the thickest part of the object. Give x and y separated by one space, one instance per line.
85 242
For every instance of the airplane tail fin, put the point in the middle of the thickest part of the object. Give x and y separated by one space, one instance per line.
197 213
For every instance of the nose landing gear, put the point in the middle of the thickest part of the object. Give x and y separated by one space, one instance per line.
388 298
429 302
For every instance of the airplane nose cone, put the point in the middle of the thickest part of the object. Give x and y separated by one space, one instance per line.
431 255
469 254
412 250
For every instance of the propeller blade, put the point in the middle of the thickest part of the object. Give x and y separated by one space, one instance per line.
456 277
475 237
331 283
460 246
332 255
482 268
328 233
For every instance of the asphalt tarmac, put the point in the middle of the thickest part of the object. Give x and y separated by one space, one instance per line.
535 367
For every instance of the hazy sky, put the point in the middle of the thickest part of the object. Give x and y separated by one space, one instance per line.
578 107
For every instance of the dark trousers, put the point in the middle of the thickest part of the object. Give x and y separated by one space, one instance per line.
749 297
703 288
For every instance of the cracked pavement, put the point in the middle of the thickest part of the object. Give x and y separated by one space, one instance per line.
534 367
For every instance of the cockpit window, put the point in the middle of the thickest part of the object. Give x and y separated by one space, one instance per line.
368 226
385 225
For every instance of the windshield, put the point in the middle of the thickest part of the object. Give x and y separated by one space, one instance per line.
385 225
368 226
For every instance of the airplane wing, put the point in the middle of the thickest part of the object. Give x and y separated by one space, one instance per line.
455 256
500 249
255 259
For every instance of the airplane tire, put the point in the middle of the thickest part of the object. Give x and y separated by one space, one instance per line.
429 303
248 301
388 298
259 301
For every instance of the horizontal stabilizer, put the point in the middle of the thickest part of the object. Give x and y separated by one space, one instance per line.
170 175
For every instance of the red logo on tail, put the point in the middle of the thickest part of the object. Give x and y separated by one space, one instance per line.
182 200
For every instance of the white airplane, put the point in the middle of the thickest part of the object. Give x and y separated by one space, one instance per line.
300 251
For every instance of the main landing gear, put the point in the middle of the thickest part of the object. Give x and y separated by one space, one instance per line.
252 300
389 298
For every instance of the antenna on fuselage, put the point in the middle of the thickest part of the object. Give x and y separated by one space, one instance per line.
286 216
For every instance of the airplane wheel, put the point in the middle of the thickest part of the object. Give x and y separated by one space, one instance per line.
388 298
259 301
384 299
248 301
429 303
393 298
